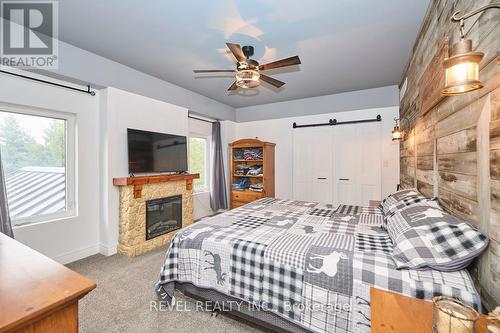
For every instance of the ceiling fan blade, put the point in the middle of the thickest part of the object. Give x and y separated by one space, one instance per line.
236 51
233 87
214 70
281 63
271 81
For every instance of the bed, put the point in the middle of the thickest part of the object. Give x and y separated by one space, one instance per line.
299 266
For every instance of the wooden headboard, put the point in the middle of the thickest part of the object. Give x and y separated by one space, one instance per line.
451 149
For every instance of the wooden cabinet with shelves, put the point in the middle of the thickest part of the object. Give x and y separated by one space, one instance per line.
252 163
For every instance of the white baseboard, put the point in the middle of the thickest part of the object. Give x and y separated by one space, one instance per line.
107 250
77 254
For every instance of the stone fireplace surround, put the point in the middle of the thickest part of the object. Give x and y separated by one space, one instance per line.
134 192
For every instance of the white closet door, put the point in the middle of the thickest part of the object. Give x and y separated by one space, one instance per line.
313 164
369 171
302 184
346 164
339 164
322 164
357 163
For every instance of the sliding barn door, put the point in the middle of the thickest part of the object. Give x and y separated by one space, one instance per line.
338 164
313 164
346 164
357 167
370 162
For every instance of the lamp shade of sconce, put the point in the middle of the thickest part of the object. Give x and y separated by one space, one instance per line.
462 69
247 78
397 132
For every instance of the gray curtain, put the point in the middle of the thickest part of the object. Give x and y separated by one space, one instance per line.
218 196
5 223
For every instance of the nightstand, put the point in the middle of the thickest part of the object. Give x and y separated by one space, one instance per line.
396 313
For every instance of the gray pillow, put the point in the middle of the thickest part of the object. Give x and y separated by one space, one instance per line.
409 200
399 195
427 237
394 198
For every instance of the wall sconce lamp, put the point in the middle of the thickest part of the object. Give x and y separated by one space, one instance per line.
462 67
397 132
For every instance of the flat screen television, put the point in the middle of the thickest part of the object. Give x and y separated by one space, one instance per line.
156 152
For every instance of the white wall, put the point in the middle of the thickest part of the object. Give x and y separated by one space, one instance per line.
280 132
348 101
72 238
121 110
201 205
84 67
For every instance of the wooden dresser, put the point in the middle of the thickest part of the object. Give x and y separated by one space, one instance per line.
243 157
37 294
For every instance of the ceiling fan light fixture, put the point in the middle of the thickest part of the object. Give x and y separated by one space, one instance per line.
248 70
247 78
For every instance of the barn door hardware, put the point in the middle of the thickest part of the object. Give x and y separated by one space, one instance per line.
334 122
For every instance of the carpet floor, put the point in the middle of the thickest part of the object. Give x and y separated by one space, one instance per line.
122 301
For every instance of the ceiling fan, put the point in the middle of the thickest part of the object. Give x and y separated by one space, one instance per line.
248 71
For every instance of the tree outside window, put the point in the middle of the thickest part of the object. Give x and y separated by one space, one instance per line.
20 148
198 162
34 159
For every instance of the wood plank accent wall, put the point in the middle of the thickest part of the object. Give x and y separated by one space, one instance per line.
452 145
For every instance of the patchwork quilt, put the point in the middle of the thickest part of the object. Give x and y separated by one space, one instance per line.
310 263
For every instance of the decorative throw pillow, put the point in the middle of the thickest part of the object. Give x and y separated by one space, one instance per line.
427 237
399 195
386 204
395 197
412 200
405 202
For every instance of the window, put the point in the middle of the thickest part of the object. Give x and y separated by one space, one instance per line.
199 153
38 164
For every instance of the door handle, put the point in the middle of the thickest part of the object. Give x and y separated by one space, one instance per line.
343 178
321 178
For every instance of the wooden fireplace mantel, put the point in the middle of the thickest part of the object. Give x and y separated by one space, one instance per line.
138 182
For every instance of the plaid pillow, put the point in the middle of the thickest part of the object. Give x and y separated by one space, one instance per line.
400 195
426 237
394 198
386 204
405 202
418 214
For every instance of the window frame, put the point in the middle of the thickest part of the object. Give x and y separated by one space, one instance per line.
208 154
70 164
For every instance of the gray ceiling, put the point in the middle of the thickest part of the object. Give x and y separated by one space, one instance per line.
344 45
